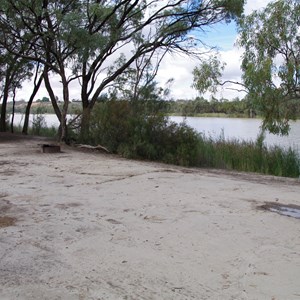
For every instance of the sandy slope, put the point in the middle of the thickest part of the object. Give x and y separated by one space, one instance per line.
86 225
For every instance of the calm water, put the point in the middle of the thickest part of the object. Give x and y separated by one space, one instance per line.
233 128
243 129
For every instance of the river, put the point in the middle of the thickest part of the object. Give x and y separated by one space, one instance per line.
232 128
242 129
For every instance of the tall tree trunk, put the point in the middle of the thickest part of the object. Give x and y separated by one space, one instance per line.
64 112
4 105
13 111
3 115
86 111
28 106
85 124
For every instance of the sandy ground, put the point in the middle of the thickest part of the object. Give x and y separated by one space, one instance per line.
87 225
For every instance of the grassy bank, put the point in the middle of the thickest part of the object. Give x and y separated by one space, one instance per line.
212 115
249 156
149 135
132 134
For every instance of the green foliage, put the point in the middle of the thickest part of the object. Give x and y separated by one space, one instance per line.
142 132
88 36
271 62
233 7
44 99
14 70
137 82
207 75
215 107
39 126
38 122
109 124
249 157
129 131
44 131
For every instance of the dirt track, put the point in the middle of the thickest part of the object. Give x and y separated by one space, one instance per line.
86 225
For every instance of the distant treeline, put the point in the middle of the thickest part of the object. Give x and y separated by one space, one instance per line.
222 107
200 106
41 107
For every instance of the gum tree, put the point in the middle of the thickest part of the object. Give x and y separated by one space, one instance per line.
157 25
271 62
13 71
207 76
137 83
42 28
88 36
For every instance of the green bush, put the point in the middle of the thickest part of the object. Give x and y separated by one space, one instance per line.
38 123
143 132
39 126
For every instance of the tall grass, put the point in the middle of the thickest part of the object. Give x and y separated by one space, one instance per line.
38 127
249 156
136 134
45 131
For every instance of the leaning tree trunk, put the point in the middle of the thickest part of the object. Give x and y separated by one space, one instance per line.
53 101
28 106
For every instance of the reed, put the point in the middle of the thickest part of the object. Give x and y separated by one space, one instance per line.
149 135
249 156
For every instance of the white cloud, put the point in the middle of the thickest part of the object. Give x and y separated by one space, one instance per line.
180 68
255 5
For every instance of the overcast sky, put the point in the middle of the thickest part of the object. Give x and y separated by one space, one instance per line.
180 68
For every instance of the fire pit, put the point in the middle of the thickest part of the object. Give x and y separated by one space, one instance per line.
50 148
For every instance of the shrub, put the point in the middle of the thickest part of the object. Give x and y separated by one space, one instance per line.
143 132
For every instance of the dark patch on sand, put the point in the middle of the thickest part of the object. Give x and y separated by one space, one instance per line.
289 210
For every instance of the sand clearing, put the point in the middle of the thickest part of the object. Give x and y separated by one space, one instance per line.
87 225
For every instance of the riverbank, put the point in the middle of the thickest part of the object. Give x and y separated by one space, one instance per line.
231 128
214 115
86 225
